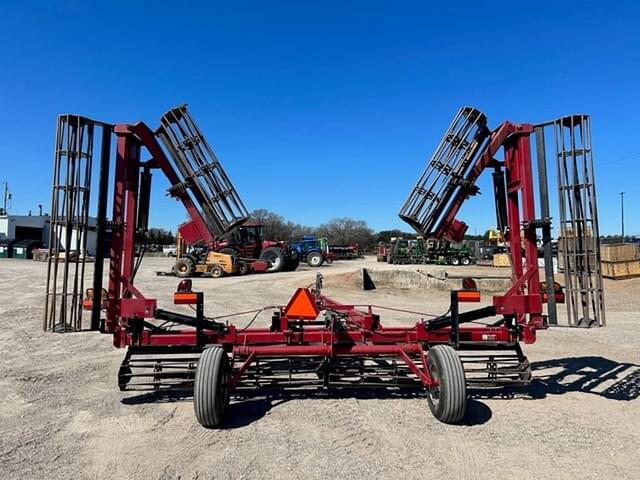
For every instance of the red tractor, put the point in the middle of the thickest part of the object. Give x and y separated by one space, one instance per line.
248 242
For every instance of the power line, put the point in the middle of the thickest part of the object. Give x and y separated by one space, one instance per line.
619 159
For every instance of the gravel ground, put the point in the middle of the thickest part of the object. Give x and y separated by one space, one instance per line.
63 417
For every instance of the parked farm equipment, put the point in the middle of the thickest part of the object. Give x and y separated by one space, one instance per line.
345 252
313 340
313 251
220 224
240 251
418 251
248 242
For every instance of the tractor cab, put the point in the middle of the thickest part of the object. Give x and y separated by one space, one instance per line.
247 239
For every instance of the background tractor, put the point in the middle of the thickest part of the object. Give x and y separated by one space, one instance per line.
313 251
247 242
241 251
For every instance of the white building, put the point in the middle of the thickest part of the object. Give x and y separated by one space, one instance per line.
23 227
36 227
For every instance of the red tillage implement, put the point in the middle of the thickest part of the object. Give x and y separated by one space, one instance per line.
313 340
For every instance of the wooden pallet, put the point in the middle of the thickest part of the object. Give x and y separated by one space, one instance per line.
621 270
619 252
501 260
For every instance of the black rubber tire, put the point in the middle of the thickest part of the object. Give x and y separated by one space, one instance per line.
276 257
465 261
217 271
292 263
243 268
314 259
184 267
447 401
210 387
455 261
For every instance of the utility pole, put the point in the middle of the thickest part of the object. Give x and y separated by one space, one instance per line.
622 213
6 197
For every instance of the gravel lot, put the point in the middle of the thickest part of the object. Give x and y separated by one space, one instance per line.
62 415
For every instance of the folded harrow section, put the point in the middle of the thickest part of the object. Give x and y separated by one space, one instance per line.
426 207
69 224
202 174
579 240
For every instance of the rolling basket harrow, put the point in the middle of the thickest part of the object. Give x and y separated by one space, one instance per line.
313 341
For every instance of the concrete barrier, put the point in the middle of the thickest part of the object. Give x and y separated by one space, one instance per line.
419 279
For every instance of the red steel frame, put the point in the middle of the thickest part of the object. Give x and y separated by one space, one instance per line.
521 305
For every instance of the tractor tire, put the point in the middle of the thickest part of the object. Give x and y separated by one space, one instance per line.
243 268
184 267
292 263
465 261
217 271
314 259
211 386
447 400
455 261
276 257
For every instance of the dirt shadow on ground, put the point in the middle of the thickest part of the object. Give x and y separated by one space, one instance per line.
252 406
590 374
249 406
165 395
596 375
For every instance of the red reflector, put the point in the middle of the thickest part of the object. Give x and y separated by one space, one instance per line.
468 295
185 285
559 297
187 298
87 304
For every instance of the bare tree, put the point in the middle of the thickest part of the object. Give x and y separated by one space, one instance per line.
345 231
339 231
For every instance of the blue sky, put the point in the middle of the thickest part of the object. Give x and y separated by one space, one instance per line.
321 109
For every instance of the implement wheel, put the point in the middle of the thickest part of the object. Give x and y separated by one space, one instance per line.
447 400
211 386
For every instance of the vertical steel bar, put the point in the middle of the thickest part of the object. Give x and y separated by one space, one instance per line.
552 314
101 225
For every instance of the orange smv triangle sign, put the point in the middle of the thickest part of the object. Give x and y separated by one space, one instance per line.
302 305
